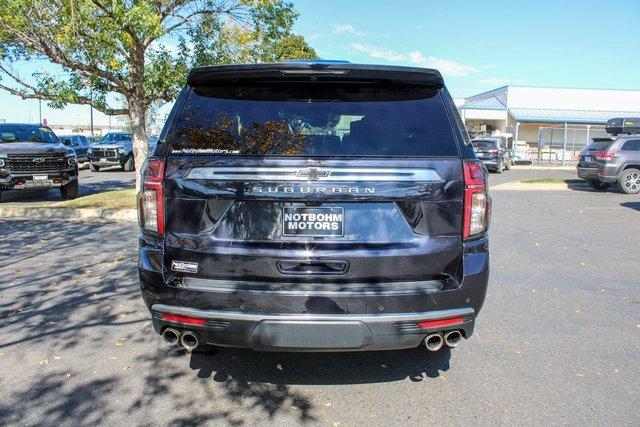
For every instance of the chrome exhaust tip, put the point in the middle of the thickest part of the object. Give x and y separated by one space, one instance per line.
434 342
171 336
190 340
452 338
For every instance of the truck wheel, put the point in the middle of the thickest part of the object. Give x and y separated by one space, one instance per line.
629 181
129 165
598 185
94 168
69 191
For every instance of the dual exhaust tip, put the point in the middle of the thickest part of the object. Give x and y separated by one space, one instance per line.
434 342
187 339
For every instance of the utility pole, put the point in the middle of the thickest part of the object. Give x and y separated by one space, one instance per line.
40 110
29 116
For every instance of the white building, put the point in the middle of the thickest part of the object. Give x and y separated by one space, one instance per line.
559 121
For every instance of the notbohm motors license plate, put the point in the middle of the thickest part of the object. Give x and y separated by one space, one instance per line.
314 222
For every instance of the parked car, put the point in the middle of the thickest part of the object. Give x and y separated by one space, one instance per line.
114 149
32 157
606 161
520 154
308 207
79 143
492 153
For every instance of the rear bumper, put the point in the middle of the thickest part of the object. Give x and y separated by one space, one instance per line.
340 332
491 163
605 173
303 319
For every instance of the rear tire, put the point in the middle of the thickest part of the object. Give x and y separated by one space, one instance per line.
598 185
129 165
69 191
629 181
94 168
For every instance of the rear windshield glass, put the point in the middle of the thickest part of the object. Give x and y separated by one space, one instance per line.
315 120
484 144
599 144
26 133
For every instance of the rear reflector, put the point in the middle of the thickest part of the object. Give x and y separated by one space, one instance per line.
183 319
440 322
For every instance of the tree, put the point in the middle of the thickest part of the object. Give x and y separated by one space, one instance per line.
136 53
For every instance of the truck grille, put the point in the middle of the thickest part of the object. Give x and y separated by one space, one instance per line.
103 152
36 162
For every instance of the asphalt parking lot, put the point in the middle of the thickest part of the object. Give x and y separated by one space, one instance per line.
558 340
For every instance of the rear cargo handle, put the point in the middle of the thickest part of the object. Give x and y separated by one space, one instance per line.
294 267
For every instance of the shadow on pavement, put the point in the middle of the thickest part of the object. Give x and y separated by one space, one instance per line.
631 205
70 289
241 366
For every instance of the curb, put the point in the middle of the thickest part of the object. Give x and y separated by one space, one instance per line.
127 215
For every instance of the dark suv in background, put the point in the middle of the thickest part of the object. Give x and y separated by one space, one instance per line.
32 157
314 207
114 149
493 153
606 161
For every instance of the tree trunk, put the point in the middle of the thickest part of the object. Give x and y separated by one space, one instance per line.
137 119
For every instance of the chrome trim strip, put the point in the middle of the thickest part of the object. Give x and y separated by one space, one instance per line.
314 174
366 318
222 286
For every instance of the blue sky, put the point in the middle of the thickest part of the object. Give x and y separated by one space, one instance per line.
478 45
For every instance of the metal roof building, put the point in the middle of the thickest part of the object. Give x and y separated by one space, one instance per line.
560 120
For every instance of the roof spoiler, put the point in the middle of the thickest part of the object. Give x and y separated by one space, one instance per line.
623 125
314 71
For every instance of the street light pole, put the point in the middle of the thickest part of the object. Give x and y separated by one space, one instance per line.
91 111
40 110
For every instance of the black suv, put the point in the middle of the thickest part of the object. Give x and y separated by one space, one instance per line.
32 157
314 207
606 161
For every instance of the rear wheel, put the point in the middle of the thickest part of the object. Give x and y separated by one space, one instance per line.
94 168
129 165
629 181
598 185
69 191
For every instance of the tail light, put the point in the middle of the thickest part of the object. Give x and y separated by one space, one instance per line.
605 155
151 198
476 200
494 151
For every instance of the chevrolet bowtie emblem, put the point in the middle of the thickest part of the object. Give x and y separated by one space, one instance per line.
313 174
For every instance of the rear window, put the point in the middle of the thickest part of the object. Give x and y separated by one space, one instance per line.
315 120
484 144
599 144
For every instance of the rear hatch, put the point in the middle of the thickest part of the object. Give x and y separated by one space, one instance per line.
588 157
303 181
485 150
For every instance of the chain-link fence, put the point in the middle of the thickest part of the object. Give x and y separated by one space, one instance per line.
556 147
